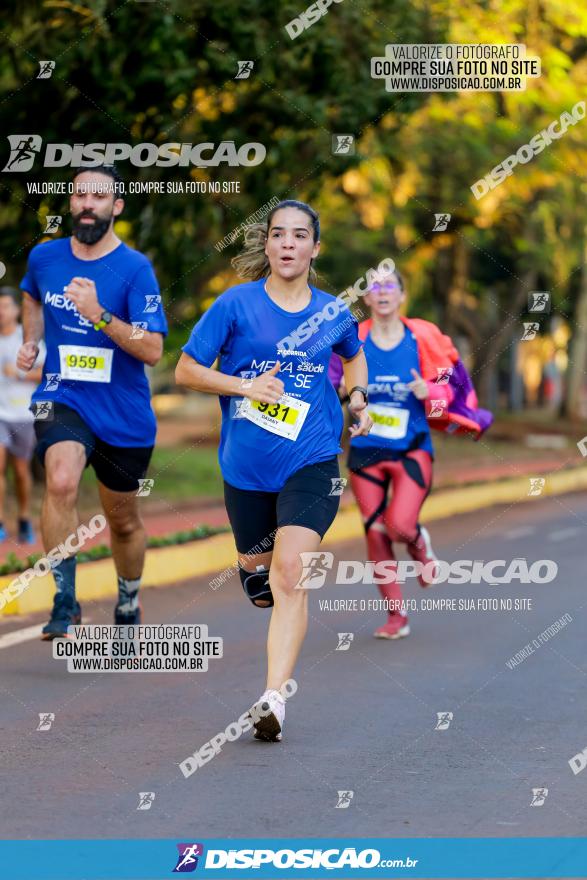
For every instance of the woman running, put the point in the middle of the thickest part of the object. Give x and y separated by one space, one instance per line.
398 453
281 422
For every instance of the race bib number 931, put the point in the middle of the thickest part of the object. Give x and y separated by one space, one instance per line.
284 418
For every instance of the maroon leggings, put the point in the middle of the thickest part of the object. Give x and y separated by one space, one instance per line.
387 519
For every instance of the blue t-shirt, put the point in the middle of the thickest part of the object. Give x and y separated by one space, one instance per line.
118 411
246 329
399 418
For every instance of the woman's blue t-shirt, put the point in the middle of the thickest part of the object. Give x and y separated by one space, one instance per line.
399 418
246 330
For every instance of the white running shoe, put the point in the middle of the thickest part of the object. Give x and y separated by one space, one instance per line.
268 715
421 551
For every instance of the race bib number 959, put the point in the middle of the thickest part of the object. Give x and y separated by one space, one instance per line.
82 363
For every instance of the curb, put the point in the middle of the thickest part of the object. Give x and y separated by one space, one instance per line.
169 565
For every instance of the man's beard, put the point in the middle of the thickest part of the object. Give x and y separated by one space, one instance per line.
90 233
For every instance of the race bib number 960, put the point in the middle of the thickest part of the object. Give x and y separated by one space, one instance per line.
389 421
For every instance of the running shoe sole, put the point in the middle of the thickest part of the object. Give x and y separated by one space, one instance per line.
400 634
267 727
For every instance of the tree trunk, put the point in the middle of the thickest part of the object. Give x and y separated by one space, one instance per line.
441 283
507 325
459 283
578 348
499 340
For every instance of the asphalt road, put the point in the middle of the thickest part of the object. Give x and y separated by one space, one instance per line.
363 719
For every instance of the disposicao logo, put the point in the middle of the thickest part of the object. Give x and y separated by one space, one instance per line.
24 149
187 860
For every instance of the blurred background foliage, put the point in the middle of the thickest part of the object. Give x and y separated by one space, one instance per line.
165 71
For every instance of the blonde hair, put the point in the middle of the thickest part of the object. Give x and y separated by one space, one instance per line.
252 263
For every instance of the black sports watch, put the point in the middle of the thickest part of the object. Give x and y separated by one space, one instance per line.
363 391
105 319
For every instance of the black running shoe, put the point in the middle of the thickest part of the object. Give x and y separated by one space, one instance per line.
126 618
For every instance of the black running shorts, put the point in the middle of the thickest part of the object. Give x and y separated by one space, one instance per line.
309 498
119 468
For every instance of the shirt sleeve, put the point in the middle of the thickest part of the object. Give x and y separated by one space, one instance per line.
29 283
349 343
210 337
145 306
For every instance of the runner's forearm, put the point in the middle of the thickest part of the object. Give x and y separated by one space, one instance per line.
197 377
33 375
148 347
355 371
32 319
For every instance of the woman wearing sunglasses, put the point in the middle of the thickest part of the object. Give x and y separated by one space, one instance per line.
416 381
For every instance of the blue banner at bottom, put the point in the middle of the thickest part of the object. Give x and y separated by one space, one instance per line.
298 857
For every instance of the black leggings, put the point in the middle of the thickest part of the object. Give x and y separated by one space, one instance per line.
309 498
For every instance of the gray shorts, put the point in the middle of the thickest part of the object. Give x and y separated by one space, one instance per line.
18 438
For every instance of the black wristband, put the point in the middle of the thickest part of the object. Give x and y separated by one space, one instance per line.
363 391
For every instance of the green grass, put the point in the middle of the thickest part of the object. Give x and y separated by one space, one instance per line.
180 474
185 472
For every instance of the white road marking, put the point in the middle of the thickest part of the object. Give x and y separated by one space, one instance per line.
28 634
21 635
520 532
563 534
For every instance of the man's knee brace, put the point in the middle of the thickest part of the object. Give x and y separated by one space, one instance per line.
256 586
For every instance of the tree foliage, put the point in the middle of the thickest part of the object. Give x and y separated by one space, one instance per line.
165 71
